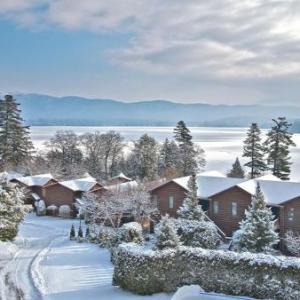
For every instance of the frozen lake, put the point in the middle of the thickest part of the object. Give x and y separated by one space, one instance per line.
221 145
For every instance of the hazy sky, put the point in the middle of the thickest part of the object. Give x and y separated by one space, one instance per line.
215 51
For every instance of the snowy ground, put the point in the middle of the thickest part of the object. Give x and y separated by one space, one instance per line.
49 266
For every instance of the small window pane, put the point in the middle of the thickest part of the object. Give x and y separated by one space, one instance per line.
171 202
234 208
216 207
291 213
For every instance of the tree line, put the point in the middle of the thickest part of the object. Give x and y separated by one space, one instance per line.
272 154
102 155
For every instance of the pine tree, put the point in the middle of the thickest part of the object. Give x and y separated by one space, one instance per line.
87 233
166 236
169 159
191 156
80 233
15 143
237 170
190 209
254 150
72 232
145 157
279 140
12 211
257 230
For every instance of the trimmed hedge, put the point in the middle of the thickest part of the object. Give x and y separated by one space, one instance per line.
256 275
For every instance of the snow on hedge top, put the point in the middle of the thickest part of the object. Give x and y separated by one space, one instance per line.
209 183
275 191
36 180
80 185
282 262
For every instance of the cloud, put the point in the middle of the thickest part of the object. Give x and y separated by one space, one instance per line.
219 39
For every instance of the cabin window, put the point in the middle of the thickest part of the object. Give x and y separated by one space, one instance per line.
216 207
234 208
291 213
171 202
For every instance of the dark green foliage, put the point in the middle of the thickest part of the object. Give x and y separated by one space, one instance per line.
278 142
15 143
191 156
72 232
254 151
87 233
80 232
236 170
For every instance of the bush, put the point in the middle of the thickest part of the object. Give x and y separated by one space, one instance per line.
41 208
130 232
107 237
260 276
72 233
80 234
292 243
52 210
64 211
197 233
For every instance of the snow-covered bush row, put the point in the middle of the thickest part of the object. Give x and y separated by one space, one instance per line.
64 211
292 243
111 237
260 276
52 210
197 233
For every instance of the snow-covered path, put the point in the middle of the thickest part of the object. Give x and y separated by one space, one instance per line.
49 266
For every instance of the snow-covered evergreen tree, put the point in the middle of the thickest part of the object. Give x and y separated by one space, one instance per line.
191 156
190 209
236 170
254 151
145 157
257 230
166 236
72 233
169 159
15 143
12 211
279 141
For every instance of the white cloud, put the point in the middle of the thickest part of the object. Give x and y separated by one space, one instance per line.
221 39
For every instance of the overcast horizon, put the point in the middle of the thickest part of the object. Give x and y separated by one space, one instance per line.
221 51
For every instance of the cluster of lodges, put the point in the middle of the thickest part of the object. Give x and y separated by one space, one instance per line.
224 199
58 193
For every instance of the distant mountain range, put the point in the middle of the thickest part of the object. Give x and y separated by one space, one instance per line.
48 110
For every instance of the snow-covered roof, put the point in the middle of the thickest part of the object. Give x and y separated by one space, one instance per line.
35 196
123 187
36 180
10 175
122 176
275 190
208 184
80 185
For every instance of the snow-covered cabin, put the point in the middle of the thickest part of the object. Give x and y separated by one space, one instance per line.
125 187
36 185
69 192
121 178
226 199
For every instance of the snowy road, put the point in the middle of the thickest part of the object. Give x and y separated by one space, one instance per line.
48 266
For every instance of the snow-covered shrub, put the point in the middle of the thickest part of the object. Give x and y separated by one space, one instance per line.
52 210
188 292
72 233
80 235
64 211
257 231
166 235
130 232
107 237
41 208
292 243
198 234
261 276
